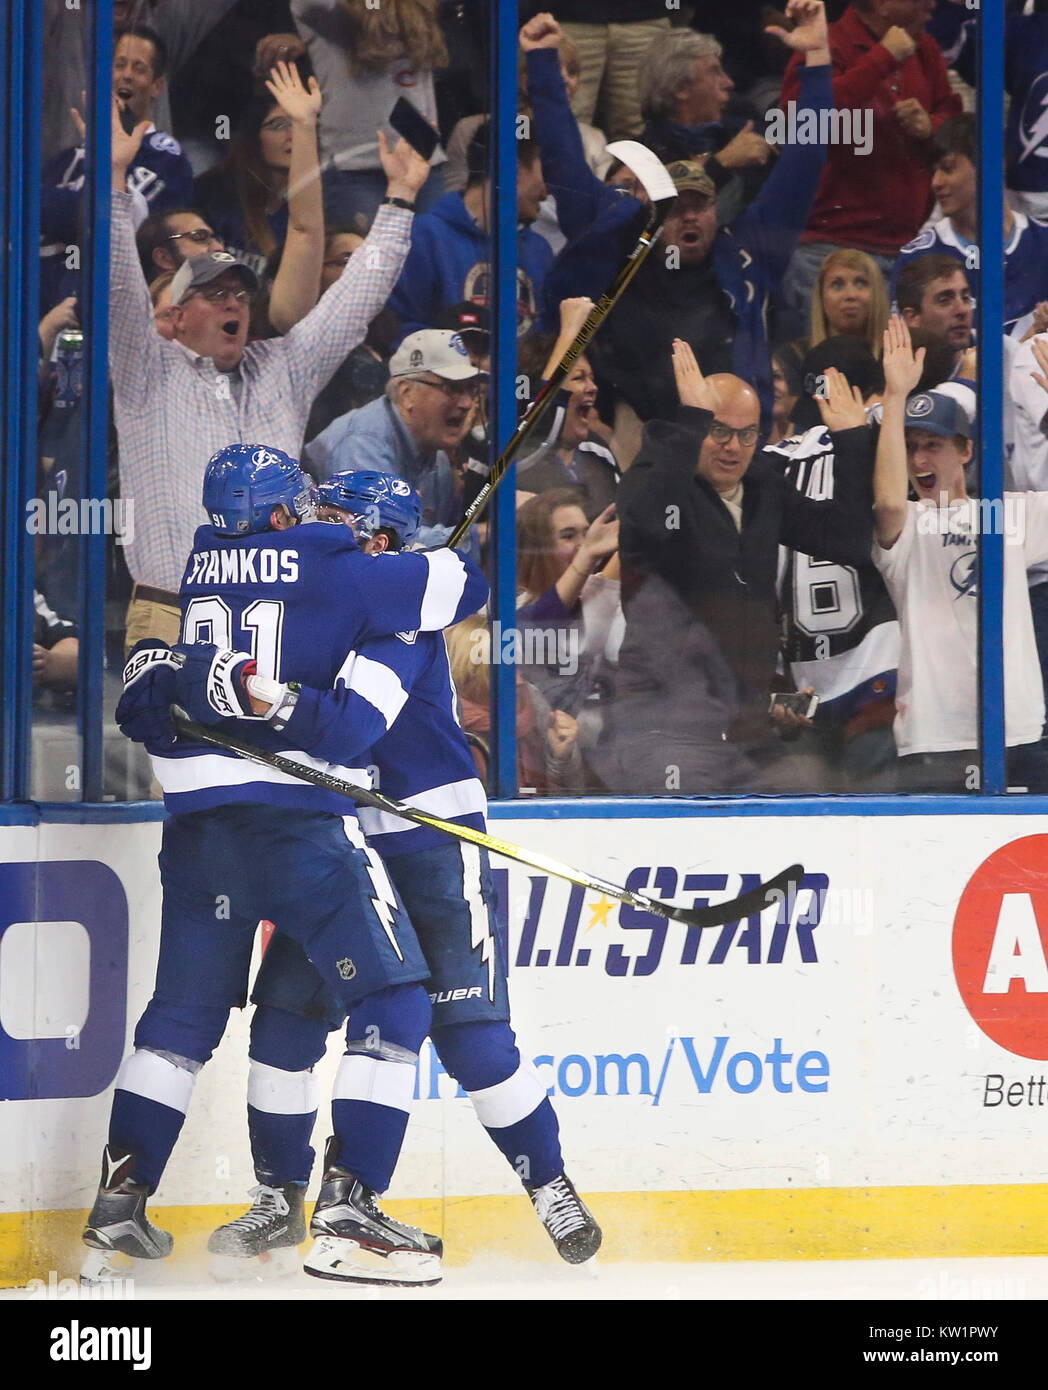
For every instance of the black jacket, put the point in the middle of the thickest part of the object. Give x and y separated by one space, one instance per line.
675 528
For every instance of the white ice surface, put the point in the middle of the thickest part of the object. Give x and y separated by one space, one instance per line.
934 1281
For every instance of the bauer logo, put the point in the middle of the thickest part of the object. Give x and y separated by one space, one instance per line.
554 925
63 979
1000 946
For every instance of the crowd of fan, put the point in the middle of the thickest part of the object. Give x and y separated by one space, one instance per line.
725 578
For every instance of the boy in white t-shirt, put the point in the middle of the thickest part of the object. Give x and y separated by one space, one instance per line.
927 552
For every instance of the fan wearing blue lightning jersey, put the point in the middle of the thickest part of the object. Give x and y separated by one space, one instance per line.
425 760
951 153
243 844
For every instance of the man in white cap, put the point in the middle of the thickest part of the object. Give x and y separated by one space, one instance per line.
426 411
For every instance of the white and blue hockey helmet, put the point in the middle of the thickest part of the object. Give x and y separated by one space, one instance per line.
244 482
375 501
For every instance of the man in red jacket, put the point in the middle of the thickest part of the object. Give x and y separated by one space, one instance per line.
884 62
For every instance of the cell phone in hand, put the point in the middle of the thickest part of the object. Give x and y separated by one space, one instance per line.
798 701
127 120
414 127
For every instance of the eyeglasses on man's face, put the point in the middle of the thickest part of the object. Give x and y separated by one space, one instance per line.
215 294
721 433
474 387
201 236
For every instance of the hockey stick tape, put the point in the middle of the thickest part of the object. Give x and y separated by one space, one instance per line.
647 166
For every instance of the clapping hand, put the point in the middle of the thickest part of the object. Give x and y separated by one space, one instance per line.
692 387
125 146
903 367
285 87
842 406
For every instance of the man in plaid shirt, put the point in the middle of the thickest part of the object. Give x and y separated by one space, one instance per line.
177 403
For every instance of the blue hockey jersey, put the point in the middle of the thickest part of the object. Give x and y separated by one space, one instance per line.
302 602
424 759
1025 80
1025 265
159 171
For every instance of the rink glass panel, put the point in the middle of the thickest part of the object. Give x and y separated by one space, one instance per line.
63 746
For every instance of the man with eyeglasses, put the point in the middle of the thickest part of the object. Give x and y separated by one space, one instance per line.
166 239
426 411
701 523
180 401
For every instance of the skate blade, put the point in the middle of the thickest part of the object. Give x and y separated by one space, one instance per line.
281 1263
106 1267
336 1257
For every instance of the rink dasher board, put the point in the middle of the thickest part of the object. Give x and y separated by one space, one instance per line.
810 1064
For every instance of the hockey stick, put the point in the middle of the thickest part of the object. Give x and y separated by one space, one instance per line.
748 904
662 192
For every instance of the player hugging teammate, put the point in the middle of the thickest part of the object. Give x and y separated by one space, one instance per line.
333 650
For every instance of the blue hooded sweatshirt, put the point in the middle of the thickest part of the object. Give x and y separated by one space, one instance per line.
450 261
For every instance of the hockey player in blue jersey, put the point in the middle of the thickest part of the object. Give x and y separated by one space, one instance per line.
242 843
424 759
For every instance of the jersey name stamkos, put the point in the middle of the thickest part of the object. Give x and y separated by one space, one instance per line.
259 565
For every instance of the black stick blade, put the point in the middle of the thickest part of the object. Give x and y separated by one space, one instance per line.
776 890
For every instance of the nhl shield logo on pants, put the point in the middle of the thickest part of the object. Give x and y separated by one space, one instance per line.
346 968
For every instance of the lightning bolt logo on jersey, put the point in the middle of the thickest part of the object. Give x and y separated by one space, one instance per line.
385 898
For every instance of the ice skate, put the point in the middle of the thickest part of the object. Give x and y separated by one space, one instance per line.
358 1243
118 1224
569 1222
262 1243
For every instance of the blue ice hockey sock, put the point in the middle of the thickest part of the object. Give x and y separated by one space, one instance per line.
370 1102
281 1113
523 1124
149 1108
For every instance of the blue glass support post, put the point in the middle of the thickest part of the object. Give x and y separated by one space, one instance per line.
502 515
23 28
95 441
991 389
9 631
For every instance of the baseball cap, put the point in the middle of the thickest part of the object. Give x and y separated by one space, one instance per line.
466 317
690 176
938 412
200 270
436 350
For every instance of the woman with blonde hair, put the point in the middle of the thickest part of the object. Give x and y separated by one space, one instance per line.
850 300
